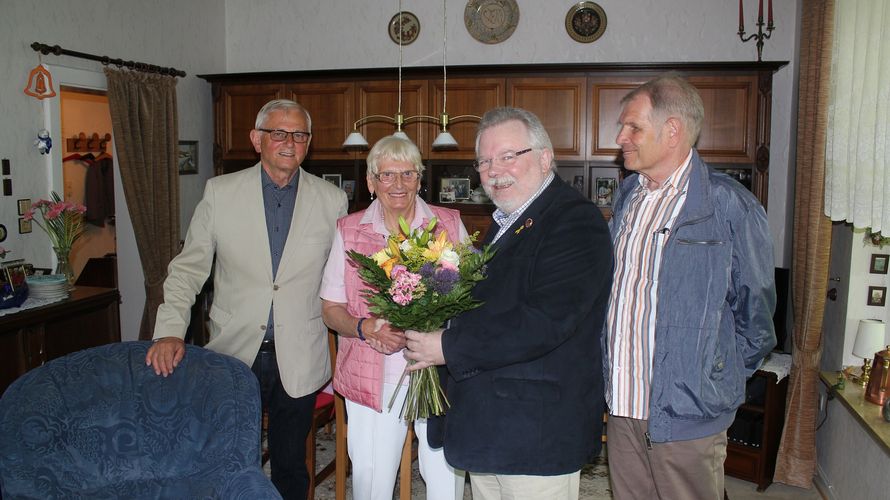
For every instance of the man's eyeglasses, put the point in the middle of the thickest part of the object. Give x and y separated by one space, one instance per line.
407 176
504 160
281 135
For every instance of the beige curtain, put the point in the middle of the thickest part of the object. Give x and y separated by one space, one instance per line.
796 462
143 118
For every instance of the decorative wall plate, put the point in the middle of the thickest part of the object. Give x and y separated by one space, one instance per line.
586 22
409 30
491 21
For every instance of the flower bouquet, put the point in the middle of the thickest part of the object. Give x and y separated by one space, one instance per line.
63 223
419 281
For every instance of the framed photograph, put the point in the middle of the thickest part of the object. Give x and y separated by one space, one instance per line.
188 157
24 206
446 196
24 226
877 296
349 187
335 179
458 186
878 263
603 189
578 183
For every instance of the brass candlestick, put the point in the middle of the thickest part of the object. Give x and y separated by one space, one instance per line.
760 36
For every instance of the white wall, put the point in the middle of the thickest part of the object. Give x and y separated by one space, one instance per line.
282 35
186 35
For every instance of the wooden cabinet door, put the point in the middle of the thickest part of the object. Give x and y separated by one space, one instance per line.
382 98
730 124
561 104
237 107
728 129
466 96
330 105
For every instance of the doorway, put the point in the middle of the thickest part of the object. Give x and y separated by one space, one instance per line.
88 172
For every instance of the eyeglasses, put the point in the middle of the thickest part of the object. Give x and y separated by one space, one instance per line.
407 176
281 135
505 160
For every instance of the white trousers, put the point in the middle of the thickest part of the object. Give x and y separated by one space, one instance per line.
375 441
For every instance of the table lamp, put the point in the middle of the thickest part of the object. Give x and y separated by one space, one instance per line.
869 340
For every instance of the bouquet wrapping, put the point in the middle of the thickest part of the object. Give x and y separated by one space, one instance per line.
418 281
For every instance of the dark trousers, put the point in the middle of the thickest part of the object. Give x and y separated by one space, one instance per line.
289 423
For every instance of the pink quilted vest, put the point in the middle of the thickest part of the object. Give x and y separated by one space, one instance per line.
359 369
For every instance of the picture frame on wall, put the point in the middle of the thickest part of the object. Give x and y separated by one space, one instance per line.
877 296
187 157
24 206
24 226
335 179
879 263
458 186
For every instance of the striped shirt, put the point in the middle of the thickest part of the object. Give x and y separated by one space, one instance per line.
638 243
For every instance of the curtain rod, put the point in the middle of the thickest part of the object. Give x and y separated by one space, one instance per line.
137 66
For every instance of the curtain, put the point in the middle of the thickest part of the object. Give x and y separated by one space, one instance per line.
857 182
144 121
796 461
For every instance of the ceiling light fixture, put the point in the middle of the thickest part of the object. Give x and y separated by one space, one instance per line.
356 140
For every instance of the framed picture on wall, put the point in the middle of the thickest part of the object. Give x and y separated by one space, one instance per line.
188 157
334 179
877 296
879 263
24 205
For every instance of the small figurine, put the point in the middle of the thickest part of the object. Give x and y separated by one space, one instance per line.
44 142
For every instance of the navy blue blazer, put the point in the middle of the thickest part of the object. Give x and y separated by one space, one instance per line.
524 370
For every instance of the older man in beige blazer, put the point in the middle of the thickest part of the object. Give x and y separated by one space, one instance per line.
270 228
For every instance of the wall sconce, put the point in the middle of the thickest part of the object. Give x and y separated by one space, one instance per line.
444 140
869 340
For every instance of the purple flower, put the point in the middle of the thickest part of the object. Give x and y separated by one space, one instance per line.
443 280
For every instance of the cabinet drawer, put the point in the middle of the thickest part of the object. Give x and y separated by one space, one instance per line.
742 462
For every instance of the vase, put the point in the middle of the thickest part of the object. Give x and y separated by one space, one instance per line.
63 263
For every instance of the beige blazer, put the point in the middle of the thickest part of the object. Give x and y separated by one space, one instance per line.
229 223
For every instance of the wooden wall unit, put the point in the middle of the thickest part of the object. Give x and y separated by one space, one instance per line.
579 105
560 102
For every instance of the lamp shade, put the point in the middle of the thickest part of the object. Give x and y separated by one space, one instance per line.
869 338
401 135
355 140
444 141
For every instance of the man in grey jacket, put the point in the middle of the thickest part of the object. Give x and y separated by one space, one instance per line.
690 312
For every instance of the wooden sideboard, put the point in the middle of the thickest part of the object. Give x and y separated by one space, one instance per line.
30 338
578 104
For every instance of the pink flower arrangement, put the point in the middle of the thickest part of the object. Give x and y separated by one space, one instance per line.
62 220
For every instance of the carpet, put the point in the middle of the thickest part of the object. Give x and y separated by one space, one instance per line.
594 476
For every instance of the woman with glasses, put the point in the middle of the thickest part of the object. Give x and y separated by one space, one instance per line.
369 358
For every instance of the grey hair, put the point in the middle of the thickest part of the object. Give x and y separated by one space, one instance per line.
671 95
395 149
281 105
538 138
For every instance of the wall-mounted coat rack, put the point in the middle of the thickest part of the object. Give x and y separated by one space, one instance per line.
88 144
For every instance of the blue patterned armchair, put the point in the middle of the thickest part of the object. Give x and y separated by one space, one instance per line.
100 424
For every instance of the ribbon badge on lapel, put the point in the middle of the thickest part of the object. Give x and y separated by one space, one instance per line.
528 223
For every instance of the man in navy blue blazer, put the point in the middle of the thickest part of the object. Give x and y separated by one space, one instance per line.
523 372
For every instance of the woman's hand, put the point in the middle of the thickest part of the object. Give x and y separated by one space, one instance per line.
385 338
